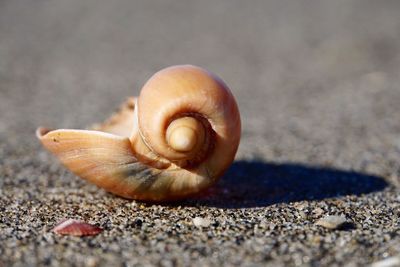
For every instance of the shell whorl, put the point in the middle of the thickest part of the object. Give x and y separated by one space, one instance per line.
185 134
185 114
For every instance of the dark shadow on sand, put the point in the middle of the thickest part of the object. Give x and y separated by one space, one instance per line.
258 184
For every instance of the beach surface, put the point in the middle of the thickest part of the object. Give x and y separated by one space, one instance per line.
318 87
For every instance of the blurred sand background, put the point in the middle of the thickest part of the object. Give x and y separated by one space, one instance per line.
318 88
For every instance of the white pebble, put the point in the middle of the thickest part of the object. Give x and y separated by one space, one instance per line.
389 262
332 221
201 222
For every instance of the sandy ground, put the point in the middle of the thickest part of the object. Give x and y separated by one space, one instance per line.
318 87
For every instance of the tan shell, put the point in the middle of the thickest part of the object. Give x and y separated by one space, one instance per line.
176 139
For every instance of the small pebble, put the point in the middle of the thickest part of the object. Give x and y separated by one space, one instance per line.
332 222
201 222
388 262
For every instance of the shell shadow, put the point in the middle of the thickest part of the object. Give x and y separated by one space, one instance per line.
250 184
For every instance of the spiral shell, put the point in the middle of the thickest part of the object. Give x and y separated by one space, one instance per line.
176 139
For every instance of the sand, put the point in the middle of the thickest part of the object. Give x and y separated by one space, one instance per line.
317 84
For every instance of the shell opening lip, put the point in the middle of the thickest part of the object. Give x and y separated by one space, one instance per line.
42 131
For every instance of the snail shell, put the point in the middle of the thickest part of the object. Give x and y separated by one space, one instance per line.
176 139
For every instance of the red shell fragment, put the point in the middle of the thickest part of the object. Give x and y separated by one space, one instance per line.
76 228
